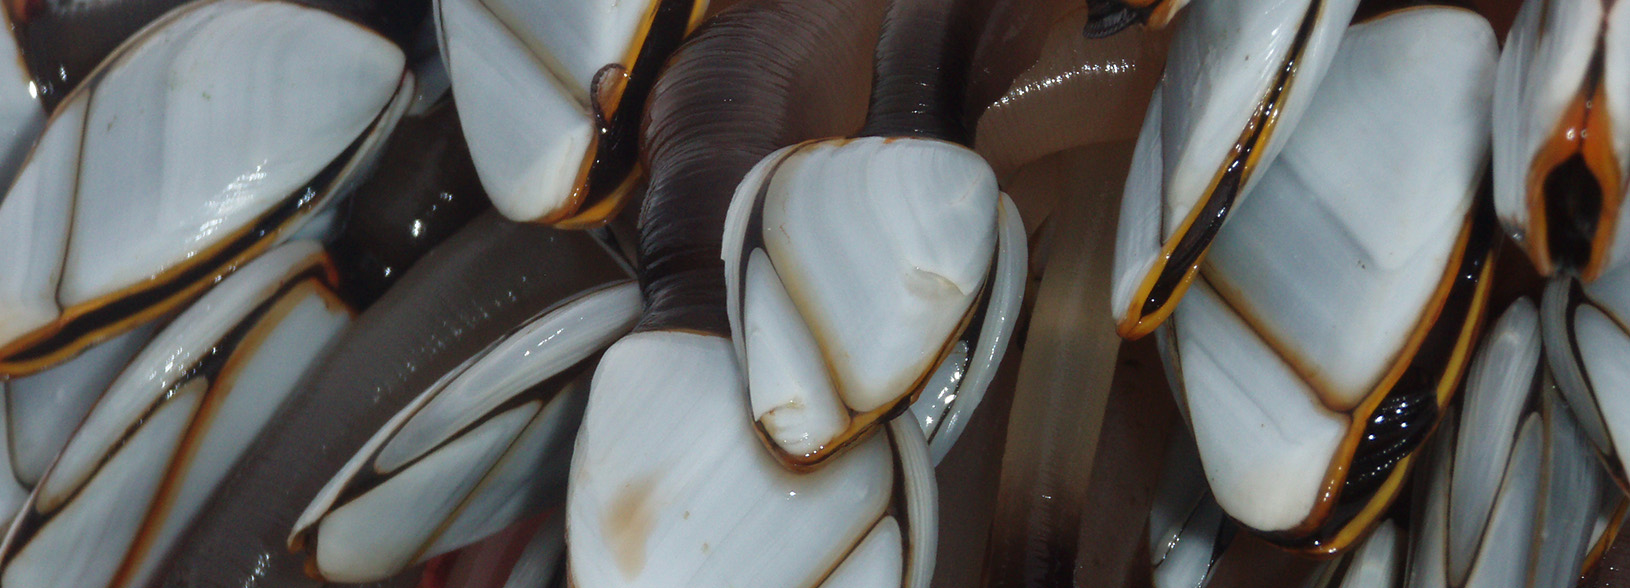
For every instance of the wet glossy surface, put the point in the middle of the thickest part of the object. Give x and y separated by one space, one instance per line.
1052 480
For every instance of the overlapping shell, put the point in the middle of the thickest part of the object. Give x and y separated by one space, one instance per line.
859 272
483 447
1190 538
170 427
1331 322
1586 344
644 510
208 137
1511 497
551 95
470 292
864 279
42 410
1238 81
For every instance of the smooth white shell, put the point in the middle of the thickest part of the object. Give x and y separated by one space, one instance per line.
195 128
523 75
696 500
873 252
1311 294
1222 64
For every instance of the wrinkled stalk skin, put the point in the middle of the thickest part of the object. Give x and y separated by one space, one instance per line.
62 42
464 295
425 190
922 70
759 76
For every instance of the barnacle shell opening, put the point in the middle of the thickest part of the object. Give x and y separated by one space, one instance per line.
1207 132
1561 146
233 122
550 96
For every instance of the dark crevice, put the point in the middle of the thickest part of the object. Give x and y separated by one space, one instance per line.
1573 206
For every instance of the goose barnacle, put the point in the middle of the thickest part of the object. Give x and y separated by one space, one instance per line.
859 269
1328 328
1586 341
480 448
461 298
669 484
208 137
171 425
551 94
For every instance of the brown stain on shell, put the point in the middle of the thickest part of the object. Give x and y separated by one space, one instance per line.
628 522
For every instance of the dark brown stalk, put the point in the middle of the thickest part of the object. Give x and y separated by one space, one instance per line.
464 295
922 70
424 191
760 76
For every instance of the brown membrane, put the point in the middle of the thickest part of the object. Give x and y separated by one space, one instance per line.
618 95
425 189
1500 14
760 76
1388 428
1080 91
1574 188
96 320
1180 258
1138 422
1064 383
1369 10
1010 42
467 293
